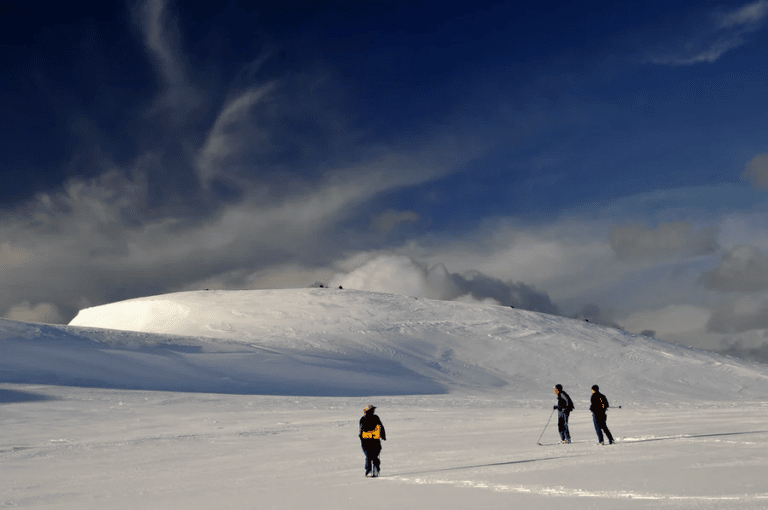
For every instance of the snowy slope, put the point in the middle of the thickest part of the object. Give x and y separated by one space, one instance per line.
346 343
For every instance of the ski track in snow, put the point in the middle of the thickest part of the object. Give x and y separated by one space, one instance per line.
567 493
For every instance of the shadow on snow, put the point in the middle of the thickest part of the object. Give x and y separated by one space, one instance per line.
16 397
476 466
694 436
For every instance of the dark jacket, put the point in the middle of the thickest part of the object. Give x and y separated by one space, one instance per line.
599 403
368 423
564 403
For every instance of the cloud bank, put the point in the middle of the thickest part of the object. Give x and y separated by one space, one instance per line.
403 275
739 316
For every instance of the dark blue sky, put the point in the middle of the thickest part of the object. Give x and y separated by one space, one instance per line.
603 156
572 82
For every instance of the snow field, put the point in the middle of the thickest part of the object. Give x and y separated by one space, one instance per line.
250 400
92 448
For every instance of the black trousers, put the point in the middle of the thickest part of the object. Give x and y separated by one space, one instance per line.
372 449
562 426
600 423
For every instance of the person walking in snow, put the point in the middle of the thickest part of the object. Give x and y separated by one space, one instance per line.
371 434
564 407
599 407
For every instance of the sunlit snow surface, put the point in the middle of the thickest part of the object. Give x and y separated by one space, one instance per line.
250 399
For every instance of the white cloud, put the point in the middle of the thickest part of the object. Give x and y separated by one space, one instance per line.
159 29
739 315
399 274
742 269
232 132
12 257
573 262
162 41
749 15
681 323
671 320
42 312
707 42
667 239
709 54
387 221
567 258
390 274
757 171
744 228
100 240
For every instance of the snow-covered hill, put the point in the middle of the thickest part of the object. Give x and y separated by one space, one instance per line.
331 342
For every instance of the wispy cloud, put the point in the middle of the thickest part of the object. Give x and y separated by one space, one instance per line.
279 142
698 53
749 16
162 41
707 41
103 239
159 30
231 134
757 171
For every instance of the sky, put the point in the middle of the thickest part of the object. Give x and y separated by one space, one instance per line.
601 160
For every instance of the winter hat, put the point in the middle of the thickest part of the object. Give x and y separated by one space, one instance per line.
595 387
559 387
369 408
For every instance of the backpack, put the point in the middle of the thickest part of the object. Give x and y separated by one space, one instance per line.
373 434
569 403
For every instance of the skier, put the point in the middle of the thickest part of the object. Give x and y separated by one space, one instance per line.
599 407
564 407
371 434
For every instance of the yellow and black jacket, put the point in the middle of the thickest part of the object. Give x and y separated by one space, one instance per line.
371 428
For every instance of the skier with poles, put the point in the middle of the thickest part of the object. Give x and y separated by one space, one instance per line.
564 407
599 407
371 434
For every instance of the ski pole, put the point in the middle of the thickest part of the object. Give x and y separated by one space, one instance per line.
545 428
